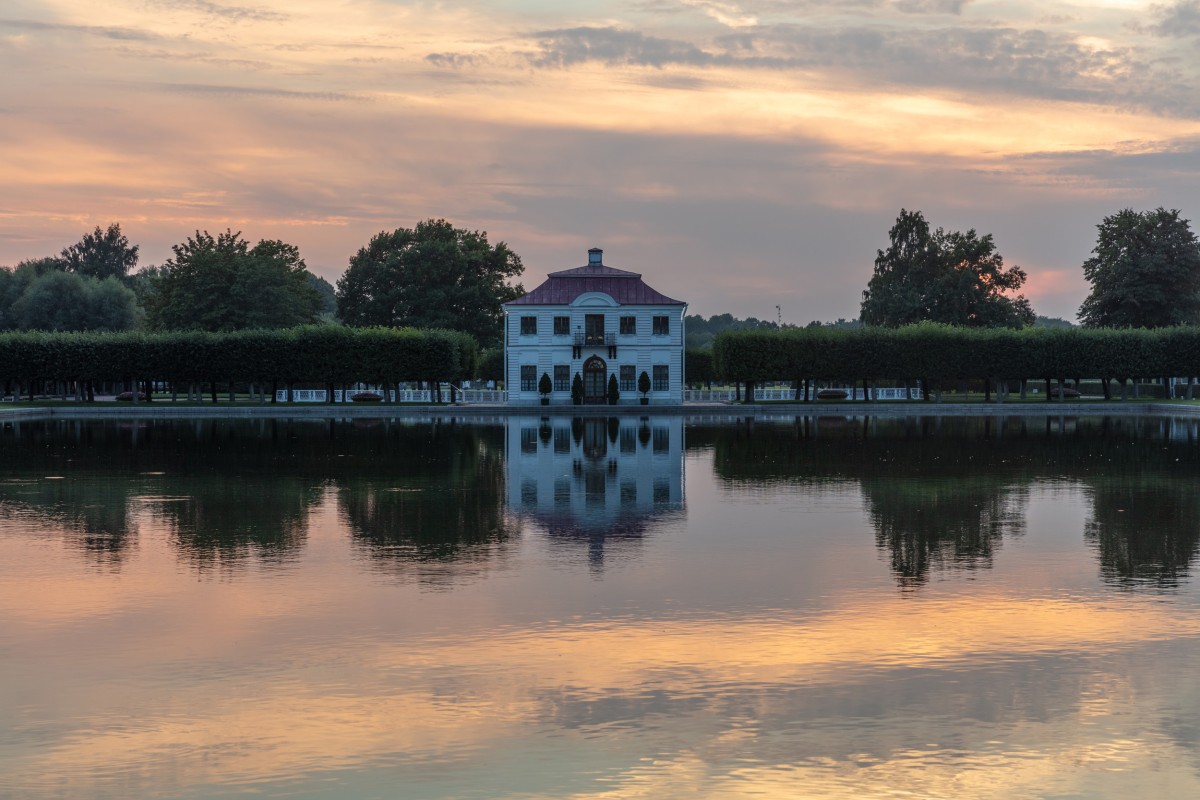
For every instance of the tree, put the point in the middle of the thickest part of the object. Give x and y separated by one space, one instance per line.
614 390
328 297
950 277
433 276
64 301
545 386
643 386
222 284
577 389
1145 272
101 254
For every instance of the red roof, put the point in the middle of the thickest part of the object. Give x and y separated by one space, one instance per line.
627 288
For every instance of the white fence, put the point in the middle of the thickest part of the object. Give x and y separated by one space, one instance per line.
406 395
760 394
499 397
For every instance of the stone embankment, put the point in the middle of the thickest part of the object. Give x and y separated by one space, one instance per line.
167 410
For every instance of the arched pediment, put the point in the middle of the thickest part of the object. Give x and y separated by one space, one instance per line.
594 300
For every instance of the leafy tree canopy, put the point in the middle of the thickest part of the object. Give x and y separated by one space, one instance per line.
222 284
431 276
841 324
1051 322
701 332
328 297
64 301
101 254
949 277
1144 271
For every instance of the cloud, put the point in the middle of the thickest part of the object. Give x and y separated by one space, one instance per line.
1027 62
452 60
931 6
232 13
257 91
1176 20
570 46
132 34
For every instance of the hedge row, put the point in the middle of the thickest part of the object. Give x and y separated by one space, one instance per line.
933 352
311 354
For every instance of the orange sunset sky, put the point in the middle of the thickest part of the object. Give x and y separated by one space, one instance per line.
742 155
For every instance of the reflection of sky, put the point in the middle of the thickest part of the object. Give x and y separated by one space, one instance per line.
762 647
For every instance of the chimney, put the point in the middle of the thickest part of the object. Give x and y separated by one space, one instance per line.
595 257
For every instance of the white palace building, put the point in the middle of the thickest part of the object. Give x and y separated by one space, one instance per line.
594 321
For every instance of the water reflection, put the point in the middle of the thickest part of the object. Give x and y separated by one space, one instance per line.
601 483
1146 530
229 493
441 504
943 494
766 652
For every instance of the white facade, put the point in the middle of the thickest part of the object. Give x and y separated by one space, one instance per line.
594 322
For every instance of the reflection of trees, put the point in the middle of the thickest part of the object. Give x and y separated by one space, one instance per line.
79 510
1146 532
444 505
942 493
227 490
226 518
942 523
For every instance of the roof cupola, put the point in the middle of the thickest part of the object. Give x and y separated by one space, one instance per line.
595 257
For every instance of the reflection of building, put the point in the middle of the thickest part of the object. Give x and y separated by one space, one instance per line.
596 322
601 480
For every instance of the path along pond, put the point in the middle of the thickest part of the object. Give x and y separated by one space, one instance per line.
817 607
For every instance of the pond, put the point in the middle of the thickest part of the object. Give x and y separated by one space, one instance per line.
818 607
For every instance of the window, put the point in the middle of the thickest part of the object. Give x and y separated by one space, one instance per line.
628 381
593 329
661 381
529 440
661 440
562 377
562 326
629 326
529 326
528 378
662 326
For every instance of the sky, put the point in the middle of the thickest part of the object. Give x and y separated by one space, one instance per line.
746 157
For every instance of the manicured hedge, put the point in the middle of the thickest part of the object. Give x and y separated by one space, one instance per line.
935 354
323 354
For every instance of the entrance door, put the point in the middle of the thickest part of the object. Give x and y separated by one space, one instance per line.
595 380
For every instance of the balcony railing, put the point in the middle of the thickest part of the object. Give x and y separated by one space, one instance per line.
595 339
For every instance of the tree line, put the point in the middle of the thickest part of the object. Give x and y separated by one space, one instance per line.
433 276
935 355
332 356
1144 271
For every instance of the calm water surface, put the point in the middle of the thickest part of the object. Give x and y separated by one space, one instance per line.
792 608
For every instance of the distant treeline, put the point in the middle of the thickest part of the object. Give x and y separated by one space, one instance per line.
931 354
318 354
